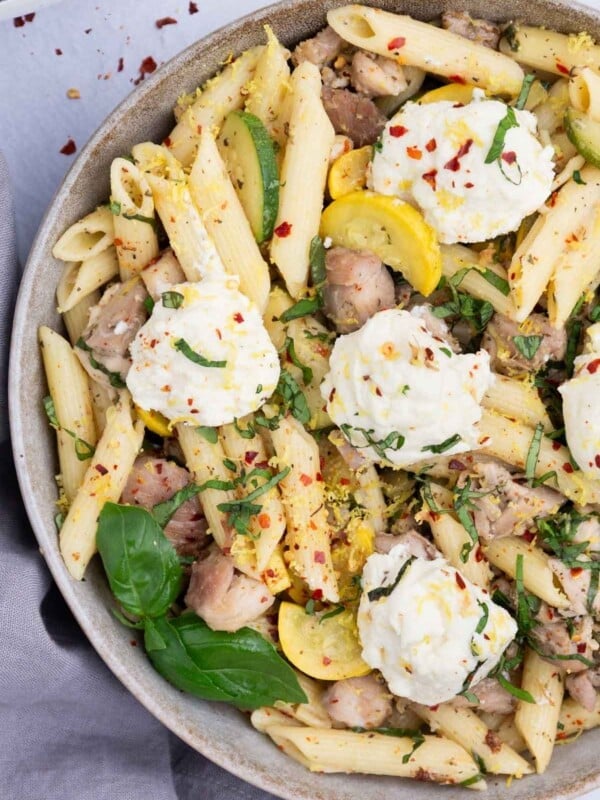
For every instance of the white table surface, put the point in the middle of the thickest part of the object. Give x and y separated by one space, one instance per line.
36 116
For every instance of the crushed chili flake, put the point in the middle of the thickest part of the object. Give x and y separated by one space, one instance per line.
568 468
469 185
270 573
147 67
101 469
283 230
414 152
458 79
556 445
397 131
167 141
18 22
238 317
397 43
160 23
250 456
192 8
529 536
317 594
479 554
576 571
58 51
509 158
120 65
592 367
305 479
344 481
88 30
319 557
430 178
597 460
69 148
326 661
581 647
454 164
431 145
562 69
264 520
459 580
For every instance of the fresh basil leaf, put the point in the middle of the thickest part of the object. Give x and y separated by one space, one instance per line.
172 299
577 177
211 435
484 617
141 564
316 260
240 668
114 378
442 446
385 591
83 450
495 280
303 308
393 441
162 512
533 453
528 345
197 358
516 691
50 410
115 207
508 121
293 398
149 304
525 89
140 218
574 329
290 348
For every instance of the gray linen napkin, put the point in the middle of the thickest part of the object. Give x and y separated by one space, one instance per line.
68 729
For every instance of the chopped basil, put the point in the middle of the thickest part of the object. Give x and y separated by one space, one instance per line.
316 260
474 311
558 534
172 299
83 450
184 348
393 441
241 510
527 604
149 304
290 348
533 453
403 733
543 478
162 512
510 34
508 121
117 209
385 591
245 433
484 617
333 613
309 305
592 591
462 502
114 378
525 89
577 177
528 345
293 398
230 465
210 434
304 307
574 329
516 691
309 608
442 446
259 388
446 351
472 780
378 146
470 697
497 281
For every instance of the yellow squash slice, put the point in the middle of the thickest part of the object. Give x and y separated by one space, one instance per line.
391 229
348 173
326 648
454 92
154 421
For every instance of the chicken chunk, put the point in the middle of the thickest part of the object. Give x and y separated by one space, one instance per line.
376 76
358 286
491 697
502 338
581 688
353 115
321 49
358 702
417 545
478 30
556 640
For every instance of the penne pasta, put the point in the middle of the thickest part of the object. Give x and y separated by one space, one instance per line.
103 482
574 718
79 280
86 238
313 713
303 177
517 399
269 86
550 51
70 393
584 91
77 318
418 44
537 721
457 257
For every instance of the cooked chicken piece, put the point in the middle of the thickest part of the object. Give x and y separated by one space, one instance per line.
224 598
478 30
103 348
506 358
417 545
353 115
555 639
508 507
358 286
353 458
163 273
581 688
376 76
155 480
491 696
575 583
320 50
589 531
358 702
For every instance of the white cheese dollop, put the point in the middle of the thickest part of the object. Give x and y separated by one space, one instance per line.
581 409
220 324
433 156
424 636
400 395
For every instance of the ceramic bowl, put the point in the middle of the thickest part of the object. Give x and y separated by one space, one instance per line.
208 727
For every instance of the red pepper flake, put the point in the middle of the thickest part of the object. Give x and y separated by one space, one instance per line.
469 185
219 334
430 178
562 69
434 708
458 105
576 571
458 79
414 152
556 445
101 469
238 317
319 477
18 22
331 395
454 163
192 8
283 230
160 23
509 158
68 149
58 51
529 536
120 64
429 354
597 460
147 67
250 456
552 199
344 481
568 468
431 145
319 557
460 581
397 43
479 554
581 647
88 30
378 392
592 367
317 594
264 520
397 131
167 141
305 479
326 661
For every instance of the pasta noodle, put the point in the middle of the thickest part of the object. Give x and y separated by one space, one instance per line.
78 281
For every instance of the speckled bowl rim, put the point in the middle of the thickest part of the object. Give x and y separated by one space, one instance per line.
260 774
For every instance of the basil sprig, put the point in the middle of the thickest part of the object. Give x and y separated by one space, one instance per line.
197 358
145 575
318 272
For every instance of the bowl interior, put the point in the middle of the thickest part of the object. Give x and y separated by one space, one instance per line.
210 727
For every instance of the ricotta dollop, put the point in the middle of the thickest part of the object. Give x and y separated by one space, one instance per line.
581 409
204 356
400 395
430 631
433 156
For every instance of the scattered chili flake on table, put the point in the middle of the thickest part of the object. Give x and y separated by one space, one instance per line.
120 65
147 67
160 23
58 51
18 22
69 148
193 8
